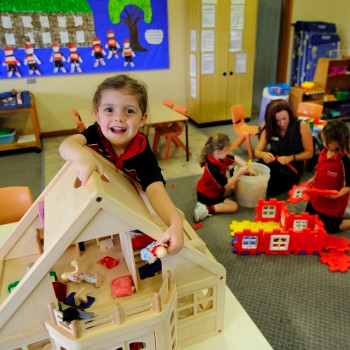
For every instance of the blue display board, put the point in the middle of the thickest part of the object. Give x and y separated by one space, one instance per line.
82 39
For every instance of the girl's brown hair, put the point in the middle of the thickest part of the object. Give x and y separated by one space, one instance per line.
216 141
123 82
336 130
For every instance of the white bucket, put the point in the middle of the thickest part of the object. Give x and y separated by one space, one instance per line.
250 188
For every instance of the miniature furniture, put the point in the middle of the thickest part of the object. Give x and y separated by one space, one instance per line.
171 133
242 130
28 137
16 200
77 119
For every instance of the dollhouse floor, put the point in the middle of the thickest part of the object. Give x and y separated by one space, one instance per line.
14 269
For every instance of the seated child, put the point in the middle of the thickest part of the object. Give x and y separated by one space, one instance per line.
332 173
213 188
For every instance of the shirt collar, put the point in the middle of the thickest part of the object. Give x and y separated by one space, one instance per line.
135 147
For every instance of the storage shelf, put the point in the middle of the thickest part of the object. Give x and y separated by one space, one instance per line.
33 135
335 81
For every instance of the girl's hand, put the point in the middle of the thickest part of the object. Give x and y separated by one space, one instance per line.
243 170
173 238
85 165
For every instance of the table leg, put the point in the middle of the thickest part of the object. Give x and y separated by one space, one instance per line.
187 151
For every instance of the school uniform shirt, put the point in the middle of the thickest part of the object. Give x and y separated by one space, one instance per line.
214 178
331 174
138 161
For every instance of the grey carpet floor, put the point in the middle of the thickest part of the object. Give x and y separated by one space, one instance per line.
22 168
295 301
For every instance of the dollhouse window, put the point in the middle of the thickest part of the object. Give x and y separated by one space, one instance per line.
250 242
268 211
279 242
298 225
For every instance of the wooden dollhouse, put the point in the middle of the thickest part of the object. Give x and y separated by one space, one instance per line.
181 305
276 231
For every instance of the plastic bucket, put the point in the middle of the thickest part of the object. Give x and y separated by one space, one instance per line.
250 188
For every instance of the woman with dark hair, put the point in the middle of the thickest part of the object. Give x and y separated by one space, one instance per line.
285 143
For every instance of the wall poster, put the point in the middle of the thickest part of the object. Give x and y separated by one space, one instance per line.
40 37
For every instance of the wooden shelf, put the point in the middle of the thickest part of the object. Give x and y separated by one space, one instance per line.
332 82
26 138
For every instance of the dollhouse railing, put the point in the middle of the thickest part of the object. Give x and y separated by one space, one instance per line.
117 317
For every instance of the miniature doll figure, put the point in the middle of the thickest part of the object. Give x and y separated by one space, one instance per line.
153 251
73 313
58 58
78 277
128 53
32 60
74 58
11 62
98 52
112 44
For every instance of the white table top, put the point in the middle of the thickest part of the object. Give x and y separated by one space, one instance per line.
240 332
159 113
5 230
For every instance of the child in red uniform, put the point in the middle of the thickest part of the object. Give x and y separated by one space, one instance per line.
213 188
120 108
332 173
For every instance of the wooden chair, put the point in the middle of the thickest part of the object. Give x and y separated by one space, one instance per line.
16 200
310 110
171 133
80 125
243 131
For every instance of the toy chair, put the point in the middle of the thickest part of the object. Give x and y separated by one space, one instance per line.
168 103
80 125
243 131
16 201
171 133
310 110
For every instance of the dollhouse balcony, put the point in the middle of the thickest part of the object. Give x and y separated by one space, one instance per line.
149 315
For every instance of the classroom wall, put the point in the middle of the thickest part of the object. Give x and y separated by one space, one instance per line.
55 96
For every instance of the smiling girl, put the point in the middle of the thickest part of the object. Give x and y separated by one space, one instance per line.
120 108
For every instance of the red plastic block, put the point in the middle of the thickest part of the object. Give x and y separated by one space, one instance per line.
341 244
108 262
197 226
337 261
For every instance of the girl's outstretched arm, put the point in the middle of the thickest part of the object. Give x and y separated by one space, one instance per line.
165 208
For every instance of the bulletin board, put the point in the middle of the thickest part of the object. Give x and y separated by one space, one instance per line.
46 38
